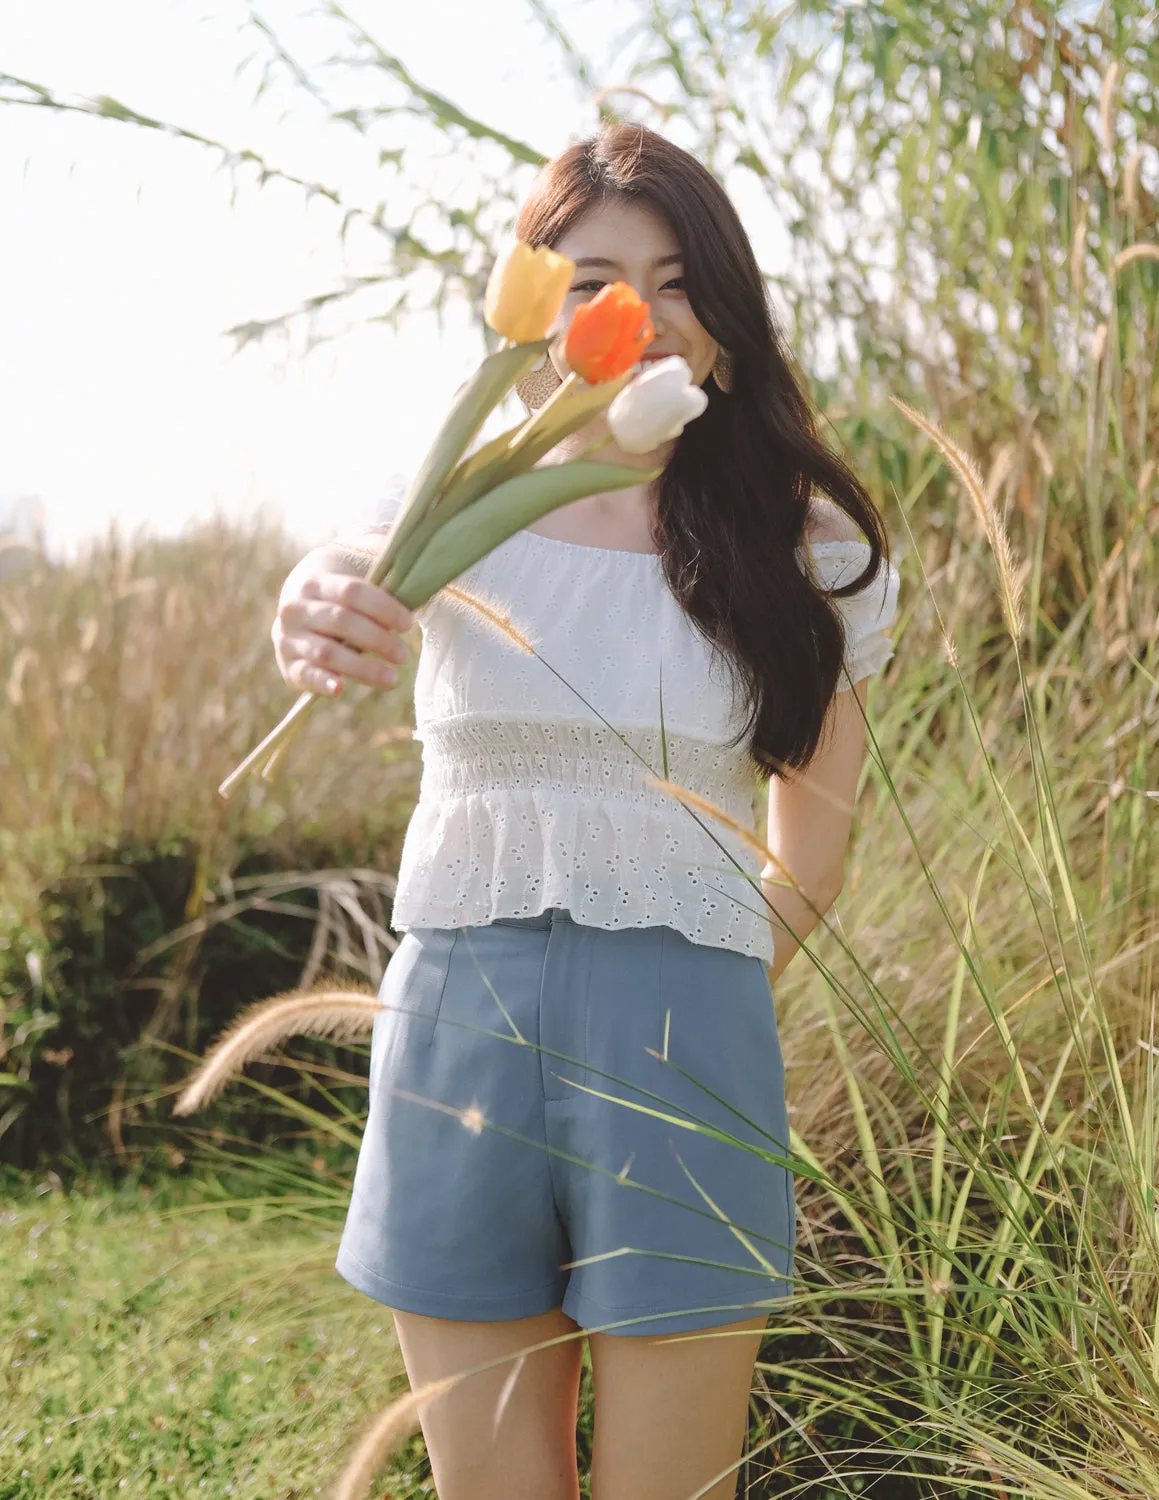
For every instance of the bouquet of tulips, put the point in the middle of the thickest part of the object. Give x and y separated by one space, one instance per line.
460 506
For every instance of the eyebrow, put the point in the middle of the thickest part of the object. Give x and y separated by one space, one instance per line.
601 260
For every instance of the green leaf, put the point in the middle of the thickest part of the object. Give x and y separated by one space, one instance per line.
801 65
476 530
473 404
501 459
908 160
483 460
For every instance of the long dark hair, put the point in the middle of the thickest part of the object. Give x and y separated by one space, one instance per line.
733 500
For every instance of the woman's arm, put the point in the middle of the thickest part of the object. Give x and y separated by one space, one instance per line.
810 818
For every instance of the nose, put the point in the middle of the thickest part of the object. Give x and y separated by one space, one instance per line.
641 290
655 317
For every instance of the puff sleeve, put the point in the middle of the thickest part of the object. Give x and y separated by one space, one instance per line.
867 616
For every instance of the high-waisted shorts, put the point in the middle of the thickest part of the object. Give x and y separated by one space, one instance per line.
533 1084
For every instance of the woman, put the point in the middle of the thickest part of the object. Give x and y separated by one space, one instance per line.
572 932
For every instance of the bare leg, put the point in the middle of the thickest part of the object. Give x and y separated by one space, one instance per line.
669 1416
529 1453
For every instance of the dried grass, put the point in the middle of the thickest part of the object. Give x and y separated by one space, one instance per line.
1134 253
1107 103
1131 182
133 677
967 471
384 1435
337 1015
495 616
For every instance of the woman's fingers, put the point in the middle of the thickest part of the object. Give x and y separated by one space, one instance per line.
319 617
336 626
360 597
314 661
307 679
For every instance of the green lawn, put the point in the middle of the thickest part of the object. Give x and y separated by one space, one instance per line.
188 1350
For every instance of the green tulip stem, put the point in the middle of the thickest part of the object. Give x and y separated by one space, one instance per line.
537 417
269 746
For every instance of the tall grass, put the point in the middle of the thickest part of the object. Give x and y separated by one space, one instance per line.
970 1040
153 658
129 680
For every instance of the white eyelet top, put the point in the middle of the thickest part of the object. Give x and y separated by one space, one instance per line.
529 799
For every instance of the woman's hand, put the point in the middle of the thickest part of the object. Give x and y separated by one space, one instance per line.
332 625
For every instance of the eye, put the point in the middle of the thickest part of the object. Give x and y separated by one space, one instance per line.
583 286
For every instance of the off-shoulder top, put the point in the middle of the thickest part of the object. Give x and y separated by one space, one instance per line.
533 790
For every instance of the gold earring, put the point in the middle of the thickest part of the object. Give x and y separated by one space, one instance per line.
722 371
538 385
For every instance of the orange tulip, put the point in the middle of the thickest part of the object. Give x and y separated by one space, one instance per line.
608 335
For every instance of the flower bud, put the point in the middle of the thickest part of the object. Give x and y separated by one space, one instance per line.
525 292
608 334
655 406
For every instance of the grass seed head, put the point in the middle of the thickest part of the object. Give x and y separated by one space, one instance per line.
341 1016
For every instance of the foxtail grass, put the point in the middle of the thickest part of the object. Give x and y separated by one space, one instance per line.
338 1016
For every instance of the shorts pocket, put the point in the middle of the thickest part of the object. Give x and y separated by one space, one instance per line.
413 987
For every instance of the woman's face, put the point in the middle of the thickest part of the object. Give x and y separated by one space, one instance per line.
633 243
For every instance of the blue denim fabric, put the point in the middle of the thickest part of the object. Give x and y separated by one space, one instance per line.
492 1183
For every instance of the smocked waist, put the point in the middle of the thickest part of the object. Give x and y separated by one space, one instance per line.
475 754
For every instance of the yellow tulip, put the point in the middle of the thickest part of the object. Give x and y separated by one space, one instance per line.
525 292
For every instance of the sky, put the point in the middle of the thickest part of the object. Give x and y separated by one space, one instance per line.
123 261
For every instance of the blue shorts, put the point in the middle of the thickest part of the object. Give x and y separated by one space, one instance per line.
495 1182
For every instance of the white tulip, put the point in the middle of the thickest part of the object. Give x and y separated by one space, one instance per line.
655 406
